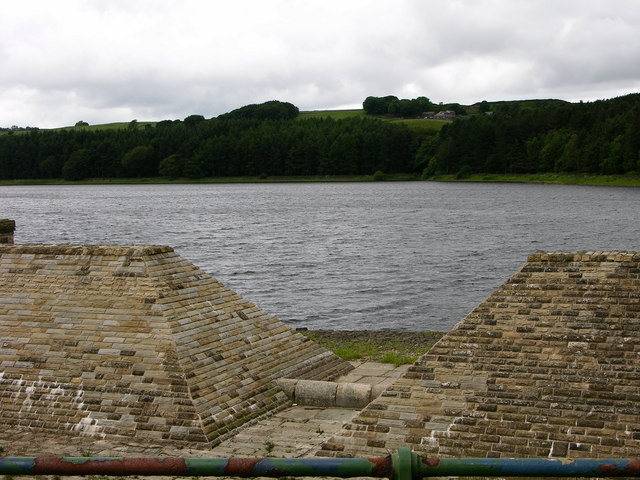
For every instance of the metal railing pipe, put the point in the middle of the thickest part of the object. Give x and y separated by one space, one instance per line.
526 467
218 467
402 465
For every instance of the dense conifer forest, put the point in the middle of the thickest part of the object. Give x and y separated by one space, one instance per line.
238 145
601 137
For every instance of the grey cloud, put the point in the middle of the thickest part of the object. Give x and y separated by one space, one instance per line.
170 60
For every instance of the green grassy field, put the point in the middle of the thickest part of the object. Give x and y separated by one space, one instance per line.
336 114
107 126
418 125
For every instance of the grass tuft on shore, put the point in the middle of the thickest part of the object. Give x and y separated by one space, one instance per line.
399 177
563 179
385 346
553 178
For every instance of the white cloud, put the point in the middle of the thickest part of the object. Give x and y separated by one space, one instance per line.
152 59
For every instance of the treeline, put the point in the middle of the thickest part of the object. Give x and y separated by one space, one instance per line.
541 136
601 137
406 108
218 147
16 128
272 110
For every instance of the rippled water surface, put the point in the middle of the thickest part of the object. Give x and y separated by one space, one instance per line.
411 255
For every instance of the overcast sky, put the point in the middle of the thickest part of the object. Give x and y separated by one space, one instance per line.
116 60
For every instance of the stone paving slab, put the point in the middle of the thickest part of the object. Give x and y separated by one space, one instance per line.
296 432
372 372
300 430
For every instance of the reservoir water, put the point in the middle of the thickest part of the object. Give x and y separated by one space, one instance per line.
385 255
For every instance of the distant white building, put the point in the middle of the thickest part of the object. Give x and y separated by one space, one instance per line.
445 115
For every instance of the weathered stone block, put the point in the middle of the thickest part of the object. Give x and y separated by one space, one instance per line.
317 393
127 333
353 395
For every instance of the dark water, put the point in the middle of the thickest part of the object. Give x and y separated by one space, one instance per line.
414 256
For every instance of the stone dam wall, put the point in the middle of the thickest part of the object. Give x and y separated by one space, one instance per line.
136 342
547 366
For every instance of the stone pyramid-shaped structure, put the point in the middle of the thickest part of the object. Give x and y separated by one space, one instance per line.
137 342
547 366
